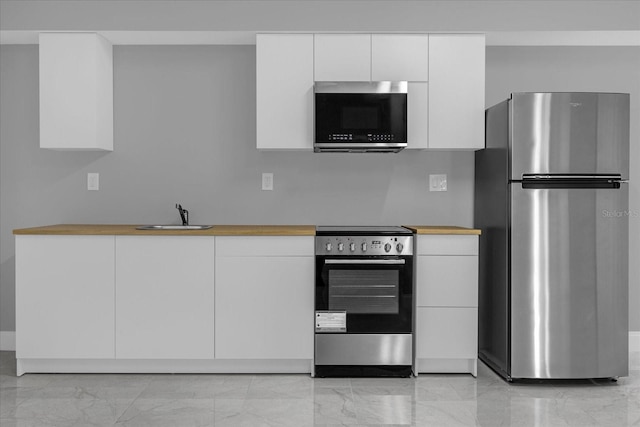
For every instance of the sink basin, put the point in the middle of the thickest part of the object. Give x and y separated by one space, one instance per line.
173 227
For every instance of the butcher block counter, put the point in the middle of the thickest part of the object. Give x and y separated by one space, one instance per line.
130 230
443 229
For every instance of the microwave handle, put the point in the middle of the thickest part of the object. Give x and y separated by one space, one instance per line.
366 261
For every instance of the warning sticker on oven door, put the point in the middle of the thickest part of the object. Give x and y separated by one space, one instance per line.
331 321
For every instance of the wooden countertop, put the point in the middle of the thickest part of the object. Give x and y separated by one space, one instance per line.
442 229
130 230
216 230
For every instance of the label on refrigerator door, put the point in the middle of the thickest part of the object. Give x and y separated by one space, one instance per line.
331 321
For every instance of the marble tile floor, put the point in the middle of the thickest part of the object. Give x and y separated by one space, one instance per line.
298 400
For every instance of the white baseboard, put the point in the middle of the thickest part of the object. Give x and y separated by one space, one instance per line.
634 340
7 341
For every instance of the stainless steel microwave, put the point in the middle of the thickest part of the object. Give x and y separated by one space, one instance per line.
360 117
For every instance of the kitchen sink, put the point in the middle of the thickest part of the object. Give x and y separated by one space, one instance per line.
174 227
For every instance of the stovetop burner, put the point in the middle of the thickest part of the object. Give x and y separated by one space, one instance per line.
362 230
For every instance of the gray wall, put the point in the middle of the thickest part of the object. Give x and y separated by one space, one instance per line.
579 69
185 132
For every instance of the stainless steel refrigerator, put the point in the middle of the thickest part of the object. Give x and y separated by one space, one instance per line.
552 201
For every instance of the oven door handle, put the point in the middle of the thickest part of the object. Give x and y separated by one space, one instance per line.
366 261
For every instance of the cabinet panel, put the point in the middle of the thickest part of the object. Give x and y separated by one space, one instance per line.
65 297
264 307
164 297
447 281
400 57
265 246
76 91
284 91
447 245
456 91
342 57
418 115
446 333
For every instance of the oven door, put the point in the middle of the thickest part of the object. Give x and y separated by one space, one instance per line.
376 293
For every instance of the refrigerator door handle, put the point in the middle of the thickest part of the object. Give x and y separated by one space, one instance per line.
536 176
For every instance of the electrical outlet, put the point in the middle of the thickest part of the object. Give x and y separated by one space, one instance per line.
438 182
267 181
93 181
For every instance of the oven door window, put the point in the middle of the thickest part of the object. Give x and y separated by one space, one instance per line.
364 292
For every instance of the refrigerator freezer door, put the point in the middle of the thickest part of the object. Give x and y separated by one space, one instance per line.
569 282
569 133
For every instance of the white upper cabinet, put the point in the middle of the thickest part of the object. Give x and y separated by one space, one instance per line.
456 91
342 57
76 92
371 57
284 91
400 57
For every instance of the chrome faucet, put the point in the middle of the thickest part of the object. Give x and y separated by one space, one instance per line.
184 214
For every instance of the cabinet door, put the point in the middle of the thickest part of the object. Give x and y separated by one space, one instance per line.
264 307
447 281
284 91
446 333
65 297
76 91
418 115
456 91
400 57
342 57
164 297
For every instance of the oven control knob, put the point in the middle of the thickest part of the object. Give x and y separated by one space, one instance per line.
352 247
387 247
328 247
340 246
399 247
364 247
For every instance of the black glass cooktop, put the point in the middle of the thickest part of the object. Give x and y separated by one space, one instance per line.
361 230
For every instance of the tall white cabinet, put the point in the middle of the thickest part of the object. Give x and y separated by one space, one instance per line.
456 91
164 297
76 91
65 296
284 91
447 303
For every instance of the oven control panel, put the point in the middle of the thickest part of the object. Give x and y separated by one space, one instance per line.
364 245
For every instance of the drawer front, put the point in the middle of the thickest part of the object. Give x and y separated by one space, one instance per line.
265 246
447 281
447 245
446 333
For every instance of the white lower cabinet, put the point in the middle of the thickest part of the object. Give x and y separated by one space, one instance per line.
164 297
447 303
264 297
64 297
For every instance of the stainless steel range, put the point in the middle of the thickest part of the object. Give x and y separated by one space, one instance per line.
364 300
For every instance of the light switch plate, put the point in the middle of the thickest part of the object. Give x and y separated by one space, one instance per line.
267 181
438 182
93 181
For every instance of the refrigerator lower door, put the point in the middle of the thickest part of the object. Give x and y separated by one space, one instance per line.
568 282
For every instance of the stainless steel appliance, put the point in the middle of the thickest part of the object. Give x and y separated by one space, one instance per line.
360 117
364 301
552 201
